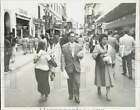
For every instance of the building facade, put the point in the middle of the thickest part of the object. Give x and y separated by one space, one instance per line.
16 19
51 17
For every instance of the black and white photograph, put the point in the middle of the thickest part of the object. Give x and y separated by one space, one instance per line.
68 53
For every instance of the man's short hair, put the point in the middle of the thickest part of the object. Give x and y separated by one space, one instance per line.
71 33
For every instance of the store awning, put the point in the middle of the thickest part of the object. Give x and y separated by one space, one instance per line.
23 17
118 12
128 20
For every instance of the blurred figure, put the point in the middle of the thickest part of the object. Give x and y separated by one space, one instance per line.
103 68
24 45
31 44
7 52
43 39
36 40
56 52
42 70
14 47
92 43
127 47
112 40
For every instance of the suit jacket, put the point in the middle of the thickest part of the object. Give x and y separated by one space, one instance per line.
71 62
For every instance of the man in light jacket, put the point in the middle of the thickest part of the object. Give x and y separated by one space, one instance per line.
127 47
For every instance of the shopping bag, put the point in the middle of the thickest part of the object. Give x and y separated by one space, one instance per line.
65 74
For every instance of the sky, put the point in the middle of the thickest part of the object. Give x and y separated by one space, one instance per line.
75 10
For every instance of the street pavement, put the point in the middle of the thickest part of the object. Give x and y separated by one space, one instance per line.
21 89
21 60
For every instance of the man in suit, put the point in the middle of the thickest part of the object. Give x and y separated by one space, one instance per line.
71 53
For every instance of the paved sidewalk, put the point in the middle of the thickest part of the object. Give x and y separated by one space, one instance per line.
21 60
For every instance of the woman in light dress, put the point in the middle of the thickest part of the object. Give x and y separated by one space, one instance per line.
56 53
103 68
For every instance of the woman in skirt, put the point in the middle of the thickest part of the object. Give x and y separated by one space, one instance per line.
103 68
42 70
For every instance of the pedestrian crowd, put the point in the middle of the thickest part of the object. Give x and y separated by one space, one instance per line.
61 54
64 53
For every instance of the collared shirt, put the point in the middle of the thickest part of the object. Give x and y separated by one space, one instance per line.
72 45
127 44
93 42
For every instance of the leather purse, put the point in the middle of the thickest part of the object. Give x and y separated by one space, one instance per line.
52 62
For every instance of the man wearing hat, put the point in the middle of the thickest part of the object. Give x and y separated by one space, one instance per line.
71 55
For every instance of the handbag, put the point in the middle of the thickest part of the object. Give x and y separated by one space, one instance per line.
52 62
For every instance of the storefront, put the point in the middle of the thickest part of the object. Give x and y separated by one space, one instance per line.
22 26
39 27
23 23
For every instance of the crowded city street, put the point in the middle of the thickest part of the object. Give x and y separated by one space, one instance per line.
56 57
21 89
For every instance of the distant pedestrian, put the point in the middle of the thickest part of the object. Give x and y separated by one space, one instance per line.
14 46
92 43
31 44
127 47
42 70
36 40
103 68
7 52
112 40
24 45
44 39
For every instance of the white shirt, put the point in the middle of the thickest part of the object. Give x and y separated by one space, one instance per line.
42 63
94 42
126 45
72 45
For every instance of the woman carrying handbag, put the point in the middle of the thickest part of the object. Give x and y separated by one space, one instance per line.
103 68
41 61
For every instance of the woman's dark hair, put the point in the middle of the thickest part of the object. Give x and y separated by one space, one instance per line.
42 36
41 46
101 36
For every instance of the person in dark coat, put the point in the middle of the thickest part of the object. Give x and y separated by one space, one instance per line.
7 52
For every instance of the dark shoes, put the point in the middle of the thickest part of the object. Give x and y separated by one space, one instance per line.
124 74
130 78
77 100
99 91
